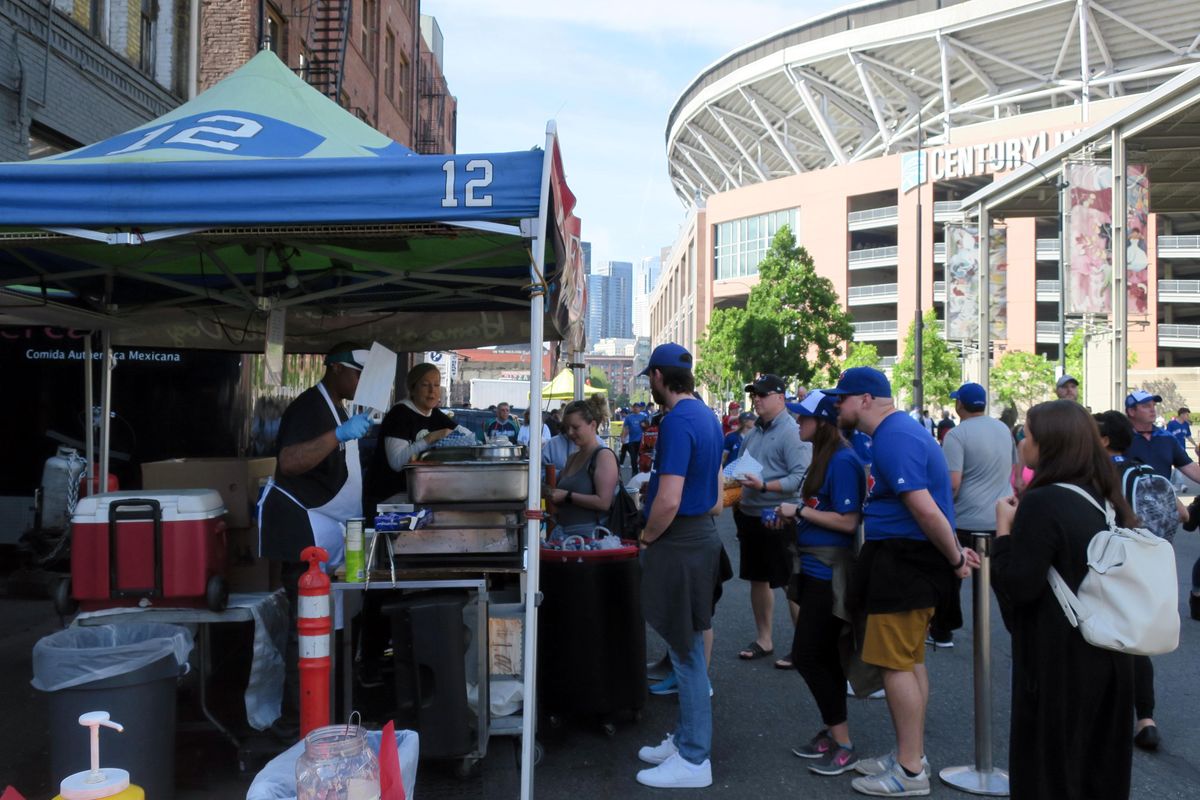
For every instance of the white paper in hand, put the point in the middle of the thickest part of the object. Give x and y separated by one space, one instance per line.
742 467
377 379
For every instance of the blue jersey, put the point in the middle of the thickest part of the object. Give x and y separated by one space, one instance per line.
733 446
1181 430
842 491
689 444
632 426
862 445
1161 451
907 459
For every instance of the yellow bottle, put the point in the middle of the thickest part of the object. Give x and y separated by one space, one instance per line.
96 783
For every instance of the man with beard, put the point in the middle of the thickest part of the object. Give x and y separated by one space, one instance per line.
681 562
907 565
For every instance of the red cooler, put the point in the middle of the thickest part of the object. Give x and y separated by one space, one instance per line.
164 547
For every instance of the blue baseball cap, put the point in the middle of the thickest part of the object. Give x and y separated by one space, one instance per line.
1138 396
819 403
971 395
639 404
668 355
862 380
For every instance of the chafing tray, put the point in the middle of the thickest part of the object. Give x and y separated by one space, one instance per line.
462 532
467 481
482 452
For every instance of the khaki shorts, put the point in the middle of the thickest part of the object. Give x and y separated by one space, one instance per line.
896 641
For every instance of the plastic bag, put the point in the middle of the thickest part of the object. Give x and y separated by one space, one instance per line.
81 655
277 780
506 695
742 467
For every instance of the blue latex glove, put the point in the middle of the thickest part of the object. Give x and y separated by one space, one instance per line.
354 428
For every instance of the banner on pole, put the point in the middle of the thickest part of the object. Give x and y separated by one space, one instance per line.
1137 257
962 282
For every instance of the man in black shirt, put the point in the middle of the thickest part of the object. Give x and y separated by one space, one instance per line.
317 484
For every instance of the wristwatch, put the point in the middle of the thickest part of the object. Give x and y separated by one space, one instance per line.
567 499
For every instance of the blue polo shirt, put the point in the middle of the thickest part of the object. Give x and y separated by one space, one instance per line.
842 491
689 444
1161 451
1181 430
907 459
632 426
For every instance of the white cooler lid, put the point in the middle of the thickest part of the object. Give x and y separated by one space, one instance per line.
177 504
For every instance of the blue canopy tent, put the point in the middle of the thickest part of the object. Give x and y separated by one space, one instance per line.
262 204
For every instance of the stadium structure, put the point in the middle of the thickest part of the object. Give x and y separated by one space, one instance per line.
865 127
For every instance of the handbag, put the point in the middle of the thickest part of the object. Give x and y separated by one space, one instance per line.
1129 599
624 519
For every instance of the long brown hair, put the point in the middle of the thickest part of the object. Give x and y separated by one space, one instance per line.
1070 451
826 441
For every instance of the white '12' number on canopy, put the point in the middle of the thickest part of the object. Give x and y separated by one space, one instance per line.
247 129
472 201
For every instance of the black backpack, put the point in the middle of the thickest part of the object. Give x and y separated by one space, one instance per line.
624 520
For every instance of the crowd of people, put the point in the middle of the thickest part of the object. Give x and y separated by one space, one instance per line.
866 516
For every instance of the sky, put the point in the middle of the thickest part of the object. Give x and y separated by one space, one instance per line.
609 73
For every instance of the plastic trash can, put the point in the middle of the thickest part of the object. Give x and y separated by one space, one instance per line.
591 632
130 671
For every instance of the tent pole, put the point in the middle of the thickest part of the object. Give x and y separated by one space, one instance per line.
106 367
89 414
533 526
579 373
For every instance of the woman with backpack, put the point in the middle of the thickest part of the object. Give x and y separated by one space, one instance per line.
584 492
1072 702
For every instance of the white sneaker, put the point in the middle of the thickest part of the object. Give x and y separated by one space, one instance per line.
677 773
659 754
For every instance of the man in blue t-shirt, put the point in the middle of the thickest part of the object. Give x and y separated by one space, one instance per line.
631 435
1181 428
908 563
681 562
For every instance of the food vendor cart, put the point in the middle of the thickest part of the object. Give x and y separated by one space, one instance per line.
262 217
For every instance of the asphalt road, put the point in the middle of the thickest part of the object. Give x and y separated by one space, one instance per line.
759 713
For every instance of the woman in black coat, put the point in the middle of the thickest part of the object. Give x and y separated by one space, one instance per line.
1072 703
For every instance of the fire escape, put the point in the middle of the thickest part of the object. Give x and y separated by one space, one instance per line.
328 31
431 94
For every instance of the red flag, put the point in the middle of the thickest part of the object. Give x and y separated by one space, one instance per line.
391 782
11 794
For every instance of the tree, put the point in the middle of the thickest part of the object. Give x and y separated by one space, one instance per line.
717 366
1022 380
794 325
862 354
597 378
942 370
1075 354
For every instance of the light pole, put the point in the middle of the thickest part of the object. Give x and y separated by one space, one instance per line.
919 335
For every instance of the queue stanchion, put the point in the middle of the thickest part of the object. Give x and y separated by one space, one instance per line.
982 778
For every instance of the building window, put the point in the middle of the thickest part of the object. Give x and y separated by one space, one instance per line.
148 25
367 42
402 96
44 142
96 17
740 245
276 33
389 65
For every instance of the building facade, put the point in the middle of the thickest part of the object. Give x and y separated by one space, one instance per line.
645 278
817 128
610 302
73 73
371 56
617 369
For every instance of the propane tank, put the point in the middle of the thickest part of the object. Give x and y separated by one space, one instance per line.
99 782
60 479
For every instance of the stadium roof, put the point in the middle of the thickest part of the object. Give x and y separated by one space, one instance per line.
855 83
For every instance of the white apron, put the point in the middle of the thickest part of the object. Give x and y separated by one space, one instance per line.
328 521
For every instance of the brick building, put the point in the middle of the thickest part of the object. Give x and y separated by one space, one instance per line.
368 55
617 369
73 72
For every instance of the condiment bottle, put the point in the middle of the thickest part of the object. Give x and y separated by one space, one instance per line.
99 782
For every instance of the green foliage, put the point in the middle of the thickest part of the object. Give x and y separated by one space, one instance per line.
941 368
1075 354
1022 380
717 366
621 400
794 323
862 354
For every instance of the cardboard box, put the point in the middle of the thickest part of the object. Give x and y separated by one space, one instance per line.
239 480
246 572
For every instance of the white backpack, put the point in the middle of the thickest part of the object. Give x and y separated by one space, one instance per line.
1129 599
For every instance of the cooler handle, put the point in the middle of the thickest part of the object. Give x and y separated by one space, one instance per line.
149 510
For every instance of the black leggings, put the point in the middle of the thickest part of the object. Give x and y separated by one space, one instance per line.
1143 687
633 448
815 649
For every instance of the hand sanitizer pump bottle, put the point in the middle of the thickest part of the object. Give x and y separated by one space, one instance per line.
99 782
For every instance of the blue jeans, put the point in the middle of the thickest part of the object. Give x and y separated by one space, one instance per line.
693 735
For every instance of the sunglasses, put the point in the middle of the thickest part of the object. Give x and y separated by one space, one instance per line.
762 394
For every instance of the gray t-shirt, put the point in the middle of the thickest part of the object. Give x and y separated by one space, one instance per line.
982 449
